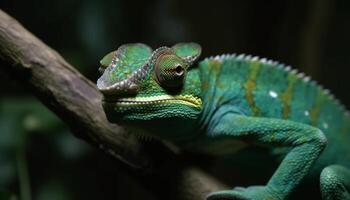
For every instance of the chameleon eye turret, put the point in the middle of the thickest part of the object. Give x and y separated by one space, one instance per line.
170 69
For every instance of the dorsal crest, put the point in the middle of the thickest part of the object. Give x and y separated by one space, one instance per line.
279 66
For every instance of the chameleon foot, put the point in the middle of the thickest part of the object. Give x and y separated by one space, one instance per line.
251 193
335 183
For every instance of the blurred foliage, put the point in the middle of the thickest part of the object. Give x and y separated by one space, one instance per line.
39 157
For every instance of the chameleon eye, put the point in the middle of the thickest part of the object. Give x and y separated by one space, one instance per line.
179 70
170 71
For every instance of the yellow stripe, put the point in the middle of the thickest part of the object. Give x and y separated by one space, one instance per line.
216 67
250 85
316 108
287 96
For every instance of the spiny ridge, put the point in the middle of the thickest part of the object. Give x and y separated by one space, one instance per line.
282 66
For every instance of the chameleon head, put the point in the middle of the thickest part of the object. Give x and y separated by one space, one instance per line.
141 85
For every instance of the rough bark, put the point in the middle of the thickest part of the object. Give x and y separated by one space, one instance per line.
77 102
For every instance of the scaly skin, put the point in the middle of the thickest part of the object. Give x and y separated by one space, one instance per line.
232 101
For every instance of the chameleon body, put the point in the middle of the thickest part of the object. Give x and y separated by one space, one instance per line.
226 103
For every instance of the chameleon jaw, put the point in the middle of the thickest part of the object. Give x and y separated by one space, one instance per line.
160 100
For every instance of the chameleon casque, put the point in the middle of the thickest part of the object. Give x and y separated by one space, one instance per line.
226 103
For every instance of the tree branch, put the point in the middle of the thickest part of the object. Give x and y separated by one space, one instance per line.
78 103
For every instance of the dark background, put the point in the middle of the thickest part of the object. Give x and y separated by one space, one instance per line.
39 157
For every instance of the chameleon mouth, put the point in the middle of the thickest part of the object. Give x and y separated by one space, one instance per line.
159 100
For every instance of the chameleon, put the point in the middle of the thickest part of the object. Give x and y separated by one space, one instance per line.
226 103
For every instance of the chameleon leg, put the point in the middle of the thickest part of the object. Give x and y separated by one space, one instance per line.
306 144
335 183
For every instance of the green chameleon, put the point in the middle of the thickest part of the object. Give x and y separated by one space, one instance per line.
227 103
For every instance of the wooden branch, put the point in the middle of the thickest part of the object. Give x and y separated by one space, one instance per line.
78 103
